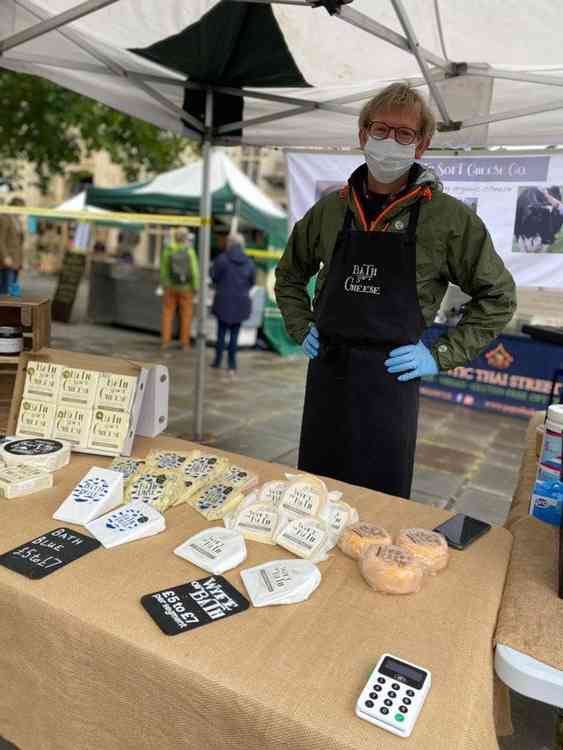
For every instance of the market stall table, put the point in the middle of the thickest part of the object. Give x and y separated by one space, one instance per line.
529 636
83 665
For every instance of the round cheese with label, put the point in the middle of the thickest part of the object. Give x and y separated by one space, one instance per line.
391 570
356 539
428 547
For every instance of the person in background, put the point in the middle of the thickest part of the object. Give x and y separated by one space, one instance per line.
179 278
11 248
233 275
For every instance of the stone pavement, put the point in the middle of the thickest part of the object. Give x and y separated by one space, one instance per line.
466 460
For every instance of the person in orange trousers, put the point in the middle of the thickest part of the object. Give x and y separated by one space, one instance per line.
179 278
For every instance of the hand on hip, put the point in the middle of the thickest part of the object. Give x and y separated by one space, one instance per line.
414 361
310 344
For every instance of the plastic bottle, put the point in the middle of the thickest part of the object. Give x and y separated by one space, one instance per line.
552 446
14 290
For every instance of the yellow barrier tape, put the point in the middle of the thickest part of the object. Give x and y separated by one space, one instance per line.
114 216
264 254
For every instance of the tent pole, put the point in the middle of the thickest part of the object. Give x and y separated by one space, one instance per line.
204 253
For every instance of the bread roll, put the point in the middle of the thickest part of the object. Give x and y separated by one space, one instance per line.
428 547
355 539
391 570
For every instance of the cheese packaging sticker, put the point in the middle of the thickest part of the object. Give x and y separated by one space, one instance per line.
36 418
339 515
281 582
22 479
115 392
100 491
216 500
41 452
78 387
127 524
272 492
304 497
199 469
257 522
215 550
108 430
127 466
305 537
72 423
42 381
168 460
158 488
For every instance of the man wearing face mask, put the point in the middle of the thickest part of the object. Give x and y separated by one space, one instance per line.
385 247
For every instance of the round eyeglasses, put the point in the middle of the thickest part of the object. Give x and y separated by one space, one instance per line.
380 131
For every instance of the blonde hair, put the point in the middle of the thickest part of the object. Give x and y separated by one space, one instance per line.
400 96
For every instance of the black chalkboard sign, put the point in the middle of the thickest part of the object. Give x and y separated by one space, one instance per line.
70 276
47 553
191 605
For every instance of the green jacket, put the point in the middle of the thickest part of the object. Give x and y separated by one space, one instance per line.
453 245
165 272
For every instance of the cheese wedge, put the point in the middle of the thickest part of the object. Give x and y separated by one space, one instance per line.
22 479
158 488
308 538
304 497
257 522
199 470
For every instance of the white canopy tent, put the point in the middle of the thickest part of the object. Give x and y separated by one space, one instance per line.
296 72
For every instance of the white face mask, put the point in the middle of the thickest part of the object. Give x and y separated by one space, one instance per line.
387 160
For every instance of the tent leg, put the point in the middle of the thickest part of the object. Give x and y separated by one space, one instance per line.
204 254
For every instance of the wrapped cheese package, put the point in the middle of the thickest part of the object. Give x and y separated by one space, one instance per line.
304 497
391 570
429 548
355 539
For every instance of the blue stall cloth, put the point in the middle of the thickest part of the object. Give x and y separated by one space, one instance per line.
512 376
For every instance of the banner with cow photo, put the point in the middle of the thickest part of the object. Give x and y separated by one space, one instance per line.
519 197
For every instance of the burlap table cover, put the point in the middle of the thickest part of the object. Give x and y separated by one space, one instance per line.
83 666
531 614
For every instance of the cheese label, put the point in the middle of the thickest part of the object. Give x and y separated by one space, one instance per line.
238 477
21 479
272 492
42 381
72 423
156 488
339 515
127 524
98 492
108 430
35 418
32 447
304 497
167 460
257 522
78 387
115 392
127 466
303 537
202 466
215 550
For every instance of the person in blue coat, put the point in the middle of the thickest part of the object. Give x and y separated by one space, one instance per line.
233 275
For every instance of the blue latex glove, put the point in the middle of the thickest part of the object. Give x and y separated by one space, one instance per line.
415 361
311 343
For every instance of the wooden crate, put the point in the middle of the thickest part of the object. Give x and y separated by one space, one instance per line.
8 372
34 315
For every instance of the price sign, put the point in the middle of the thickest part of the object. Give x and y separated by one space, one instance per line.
194 604
47 553
72 271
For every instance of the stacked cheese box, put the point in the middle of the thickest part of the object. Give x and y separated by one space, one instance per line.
90 410
26 466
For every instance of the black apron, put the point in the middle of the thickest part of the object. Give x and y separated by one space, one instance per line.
360 422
